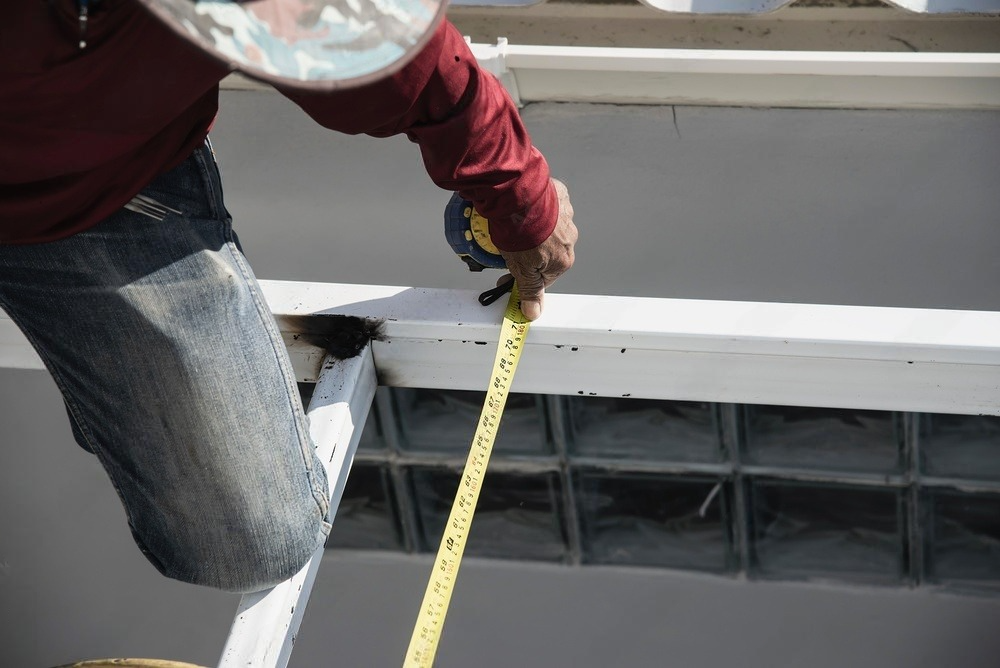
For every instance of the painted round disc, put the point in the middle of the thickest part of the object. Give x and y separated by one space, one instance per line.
308 44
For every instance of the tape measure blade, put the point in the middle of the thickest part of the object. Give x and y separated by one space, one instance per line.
444 572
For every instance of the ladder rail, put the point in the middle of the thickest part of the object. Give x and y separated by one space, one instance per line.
266 623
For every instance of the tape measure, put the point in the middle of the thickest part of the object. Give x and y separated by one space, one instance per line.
434 608
468 233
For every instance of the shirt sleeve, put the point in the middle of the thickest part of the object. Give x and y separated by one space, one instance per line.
470 135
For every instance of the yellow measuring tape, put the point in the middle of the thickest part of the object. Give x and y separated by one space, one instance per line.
430 620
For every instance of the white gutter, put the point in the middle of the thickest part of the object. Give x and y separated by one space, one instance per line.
699 8
834 79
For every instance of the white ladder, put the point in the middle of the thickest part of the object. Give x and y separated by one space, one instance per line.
267 622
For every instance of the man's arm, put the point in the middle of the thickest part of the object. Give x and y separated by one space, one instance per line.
473 141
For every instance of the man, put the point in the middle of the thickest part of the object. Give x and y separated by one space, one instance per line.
119 262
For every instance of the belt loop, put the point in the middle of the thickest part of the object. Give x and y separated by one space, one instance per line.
213 178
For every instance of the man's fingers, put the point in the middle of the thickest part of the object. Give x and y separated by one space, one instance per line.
532 308
531 299
531 287
536 268
532 291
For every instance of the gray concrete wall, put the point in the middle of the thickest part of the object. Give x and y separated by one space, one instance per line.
889 208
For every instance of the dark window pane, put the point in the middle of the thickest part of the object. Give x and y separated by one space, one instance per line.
963 544
840 532
961 446
518 516
445 421
824 438
306 392
367 516
654 520
372 438
683 431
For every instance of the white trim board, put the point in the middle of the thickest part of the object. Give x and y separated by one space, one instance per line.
732 77
921 360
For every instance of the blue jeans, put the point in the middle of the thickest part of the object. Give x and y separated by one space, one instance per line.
175 376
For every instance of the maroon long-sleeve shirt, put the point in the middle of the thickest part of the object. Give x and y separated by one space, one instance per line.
83 131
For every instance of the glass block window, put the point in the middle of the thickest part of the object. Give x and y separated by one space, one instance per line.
643 429
823 438
771 492
518 516
649 519
444 421
960 446
372 436
963 537
367 517
806 530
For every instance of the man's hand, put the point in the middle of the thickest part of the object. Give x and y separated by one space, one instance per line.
536 269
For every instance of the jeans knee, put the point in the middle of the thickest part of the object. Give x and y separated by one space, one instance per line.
243 554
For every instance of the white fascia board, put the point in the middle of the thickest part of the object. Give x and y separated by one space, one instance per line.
923 360
263 632
832 79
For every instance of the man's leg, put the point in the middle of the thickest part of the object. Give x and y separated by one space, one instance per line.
175 376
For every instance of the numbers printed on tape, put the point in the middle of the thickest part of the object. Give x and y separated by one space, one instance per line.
434 608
